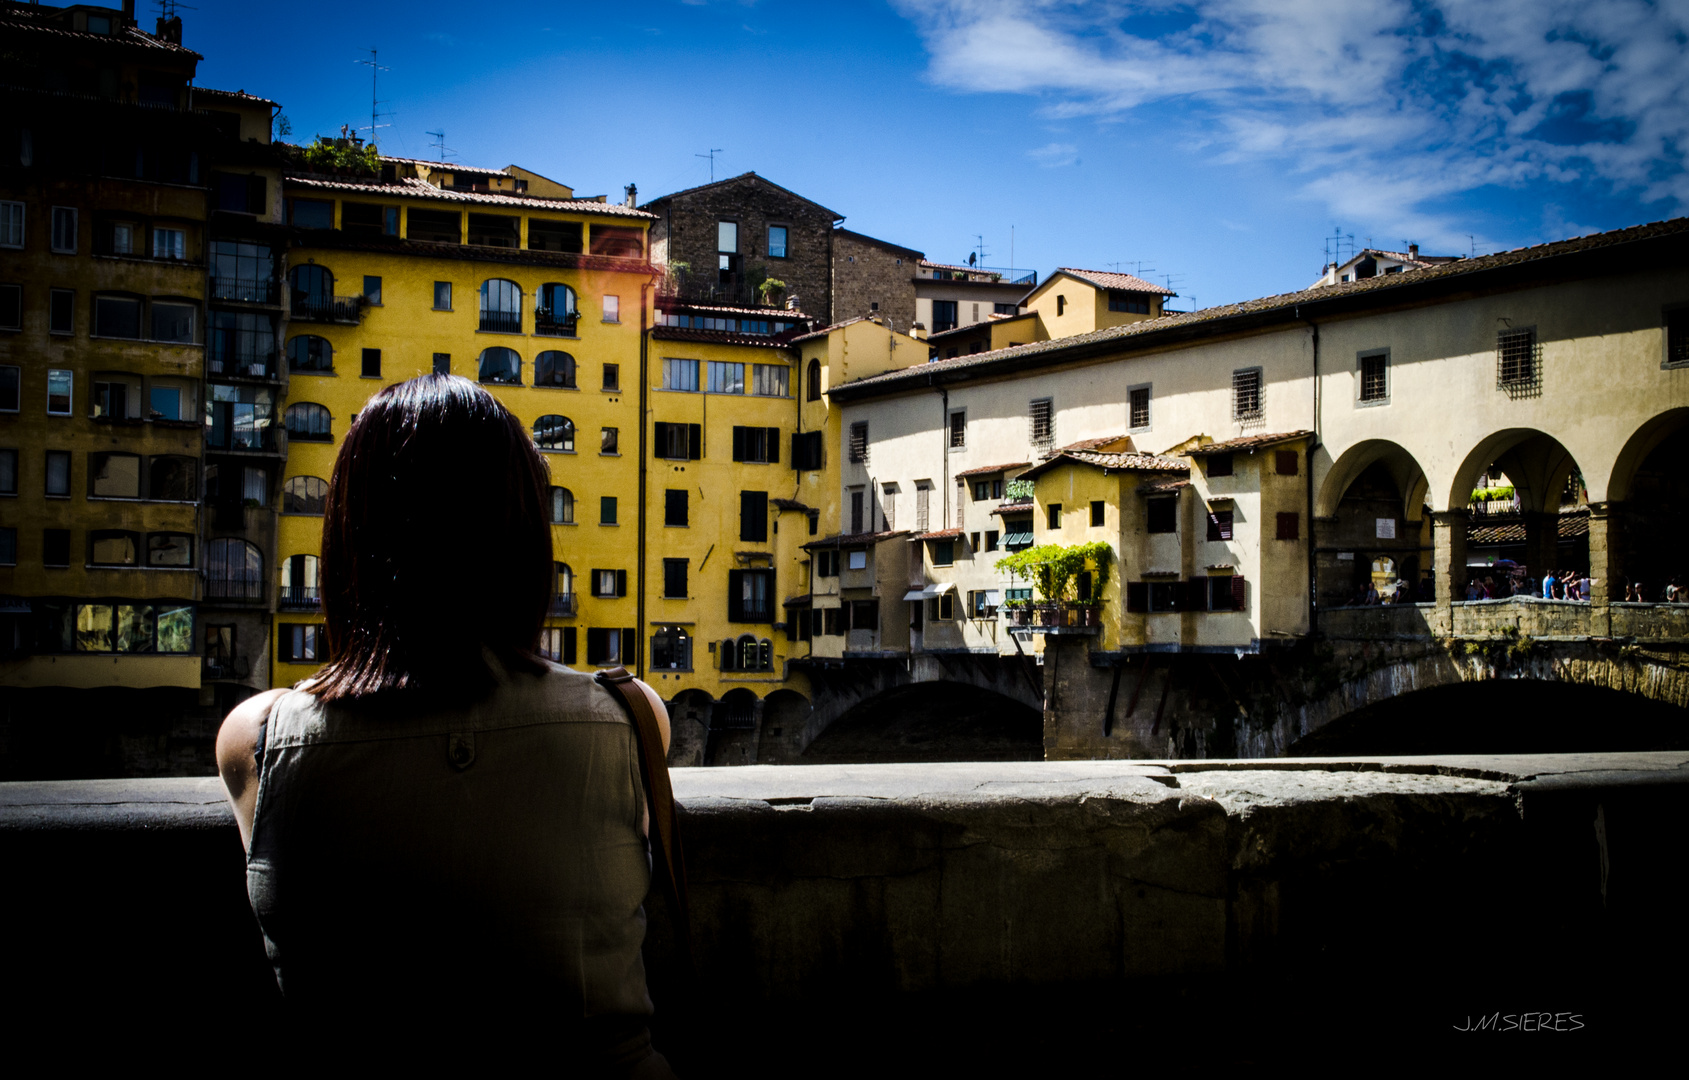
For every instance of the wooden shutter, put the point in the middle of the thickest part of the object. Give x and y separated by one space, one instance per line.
284 642
661 440
1195 596
738 443
1286 462
630 646
753 516
798 455
1289 526
594 583
694 442
568 645
735 596
1238 602
621 582
773 446
597 644
1137 596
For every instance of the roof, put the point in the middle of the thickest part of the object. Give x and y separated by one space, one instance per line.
984 469
940 534
447 166
671 303
791 504
1102 279
877 242
1320 300
1572 525
1090 444
236 95
42 20
1013 508
412 188
854 539
736 179
982 326
1155 485
426 249
720 337
1245 442
1117 462
823 331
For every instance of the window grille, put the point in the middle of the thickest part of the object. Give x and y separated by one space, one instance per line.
1138 409
1677 336
1375 384
1246 394
1043 419
958 430
859 441
1518 362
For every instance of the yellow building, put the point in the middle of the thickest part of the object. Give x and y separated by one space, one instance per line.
1071 302
540 297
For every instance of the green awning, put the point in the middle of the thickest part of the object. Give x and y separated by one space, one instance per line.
1020 539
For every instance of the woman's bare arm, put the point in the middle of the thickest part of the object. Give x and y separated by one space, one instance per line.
237 741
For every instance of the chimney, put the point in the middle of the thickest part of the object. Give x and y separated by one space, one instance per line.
170 30
1413 251
632 195
128 12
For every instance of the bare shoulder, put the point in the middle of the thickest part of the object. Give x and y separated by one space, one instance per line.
659 708
238 737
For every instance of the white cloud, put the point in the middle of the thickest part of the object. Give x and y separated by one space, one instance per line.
1382 106
1054 155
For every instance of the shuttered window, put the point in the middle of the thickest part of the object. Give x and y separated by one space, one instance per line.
756 444
753 516
678 442
806 451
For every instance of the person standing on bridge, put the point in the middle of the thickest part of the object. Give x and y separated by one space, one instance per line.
1548 585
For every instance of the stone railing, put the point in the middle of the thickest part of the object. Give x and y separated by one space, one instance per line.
1002 905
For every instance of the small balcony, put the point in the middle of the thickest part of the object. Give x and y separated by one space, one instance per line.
246 290
502 322
270 441
346 310
563 606
235 589
547 325
299 598
1044 617
221 367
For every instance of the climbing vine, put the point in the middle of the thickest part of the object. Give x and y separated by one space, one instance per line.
1054 569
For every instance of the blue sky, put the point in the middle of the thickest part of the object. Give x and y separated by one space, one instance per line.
1220 142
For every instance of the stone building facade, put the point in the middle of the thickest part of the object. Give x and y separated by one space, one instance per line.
873 277
719 242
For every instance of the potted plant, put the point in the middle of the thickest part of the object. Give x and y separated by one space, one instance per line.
772 291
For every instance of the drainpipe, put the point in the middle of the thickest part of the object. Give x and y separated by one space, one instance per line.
644 435
1313 572
944 443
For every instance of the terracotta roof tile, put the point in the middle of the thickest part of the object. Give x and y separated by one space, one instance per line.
984 469
720 337
941 534
823 331
1571 525
1245 442
237 95
1119 462
1102 279
412 188
791 504
1159 484
19 17
1013 508
854 539
670 303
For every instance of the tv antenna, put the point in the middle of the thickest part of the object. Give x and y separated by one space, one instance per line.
979 252
167 8
711 156
375 71
1334 245
439 143
1137 267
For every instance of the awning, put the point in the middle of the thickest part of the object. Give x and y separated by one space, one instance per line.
917 594
1020 539
941 588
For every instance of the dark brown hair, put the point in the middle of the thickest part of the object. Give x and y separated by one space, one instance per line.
435 544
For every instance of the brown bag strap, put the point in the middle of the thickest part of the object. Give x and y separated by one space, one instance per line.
654 767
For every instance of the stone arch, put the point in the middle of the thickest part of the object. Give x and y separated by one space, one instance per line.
735 723
1541 461
1372 482
944 719
1643 442
1404 469
1648 508
784 716
689 722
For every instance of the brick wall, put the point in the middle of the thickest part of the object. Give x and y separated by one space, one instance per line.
866 273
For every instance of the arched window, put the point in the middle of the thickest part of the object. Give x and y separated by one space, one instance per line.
172 477
299 582
501 365
312 287
304 495
234 570
309 422
815 380
307 352
565 582
501 306
555 311
750 654
554 369
553 432
562 506
729 655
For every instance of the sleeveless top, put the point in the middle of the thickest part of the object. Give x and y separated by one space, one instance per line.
485 854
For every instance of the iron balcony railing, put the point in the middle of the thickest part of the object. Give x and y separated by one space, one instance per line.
546 325
299 596
563 604
245 290
241 368
334 309
502 322
247 588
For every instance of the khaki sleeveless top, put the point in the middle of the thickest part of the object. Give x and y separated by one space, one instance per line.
478 854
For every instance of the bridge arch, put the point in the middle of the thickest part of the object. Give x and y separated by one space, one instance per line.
1371 510
1536 462
943 720
1648 508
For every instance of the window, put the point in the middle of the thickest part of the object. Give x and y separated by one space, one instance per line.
612 377
1219 525
815 380
442 363
117 317
8 472
1054 515
726 378
61 311
170 549
304 495
680 374
308 353
612 309
372 290
674 579
64 229
888 505
369 219
856 508
494 230
59 385
617 242
8 546
1137 408
55 547
944 553
604 646
172 322
1061 305
923 505
777 241
500 366
241 343
114 547
556 369
554 236
958 430
301 643
1286 462
1289 525
991 540
11 307
678 442
58 473
770 380
750 596
1132 303
555 313
1677 334
308 422
1517 359
371 368
1041 413
1161 515
727 237
607 438
1219 465
173 478
1225 593
501 306
11 389
169 244
299 581
551 643
11 224
111 399
1096 513
564 604
114 476
311 292
1246 394
315 214
562 502
943 315
1375 377
555 432
434 226
609 584
607 510
753 516
827 562
122 238
442 296
675 507
671 648
859 442
806 450
756 444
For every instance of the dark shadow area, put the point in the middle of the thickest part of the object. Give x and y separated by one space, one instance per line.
55 733
1503 717
932 722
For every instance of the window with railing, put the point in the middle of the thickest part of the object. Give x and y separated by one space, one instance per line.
501 306
1246 394
555 311
1518 361
1375 377
242 271
239 417
553 432
241 343
234 570
299 587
